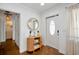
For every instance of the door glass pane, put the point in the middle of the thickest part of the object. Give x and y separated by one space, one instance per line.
52 27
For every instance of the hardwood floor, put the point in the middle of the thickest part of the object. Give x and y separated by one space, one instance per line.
45 50
12 49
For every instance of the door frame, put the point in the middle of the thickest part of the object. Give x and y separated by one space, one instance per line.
4 30
46 25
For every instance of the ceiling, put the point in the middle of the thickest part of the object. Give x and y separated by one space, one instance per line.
38 7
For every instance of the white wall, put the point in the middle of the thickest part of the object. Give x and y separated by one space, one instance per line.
13 22
61 10
16 27
25 14
2 27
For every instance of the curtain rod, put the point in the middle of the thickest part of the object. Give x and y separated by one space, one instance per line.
52 16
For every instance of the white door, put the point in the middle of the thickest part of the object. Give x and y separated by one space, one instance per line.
52 32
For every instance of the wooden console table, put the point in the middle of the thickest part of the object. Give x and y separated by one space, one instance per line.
34 43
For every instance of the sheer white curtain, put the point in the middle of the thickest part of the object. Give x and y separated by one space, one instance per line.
73 31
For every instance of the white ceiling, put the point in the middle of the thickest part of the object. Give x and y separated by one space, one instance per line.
38 7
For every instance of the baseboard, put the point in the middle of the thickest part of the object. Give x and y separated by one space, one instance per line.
61 51
2 42
21 51
16 45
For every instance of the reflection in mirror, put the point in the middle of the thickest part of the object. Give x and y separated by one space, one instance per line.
33 24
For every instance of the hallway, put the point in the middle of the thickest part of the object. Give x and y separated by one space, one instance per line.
10 48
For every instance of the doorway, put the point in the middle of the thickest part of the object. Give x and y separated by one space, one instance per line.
52 32
9 26
10 30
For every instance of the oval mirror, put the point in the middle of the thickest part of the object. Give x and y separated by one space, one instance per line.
33 24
